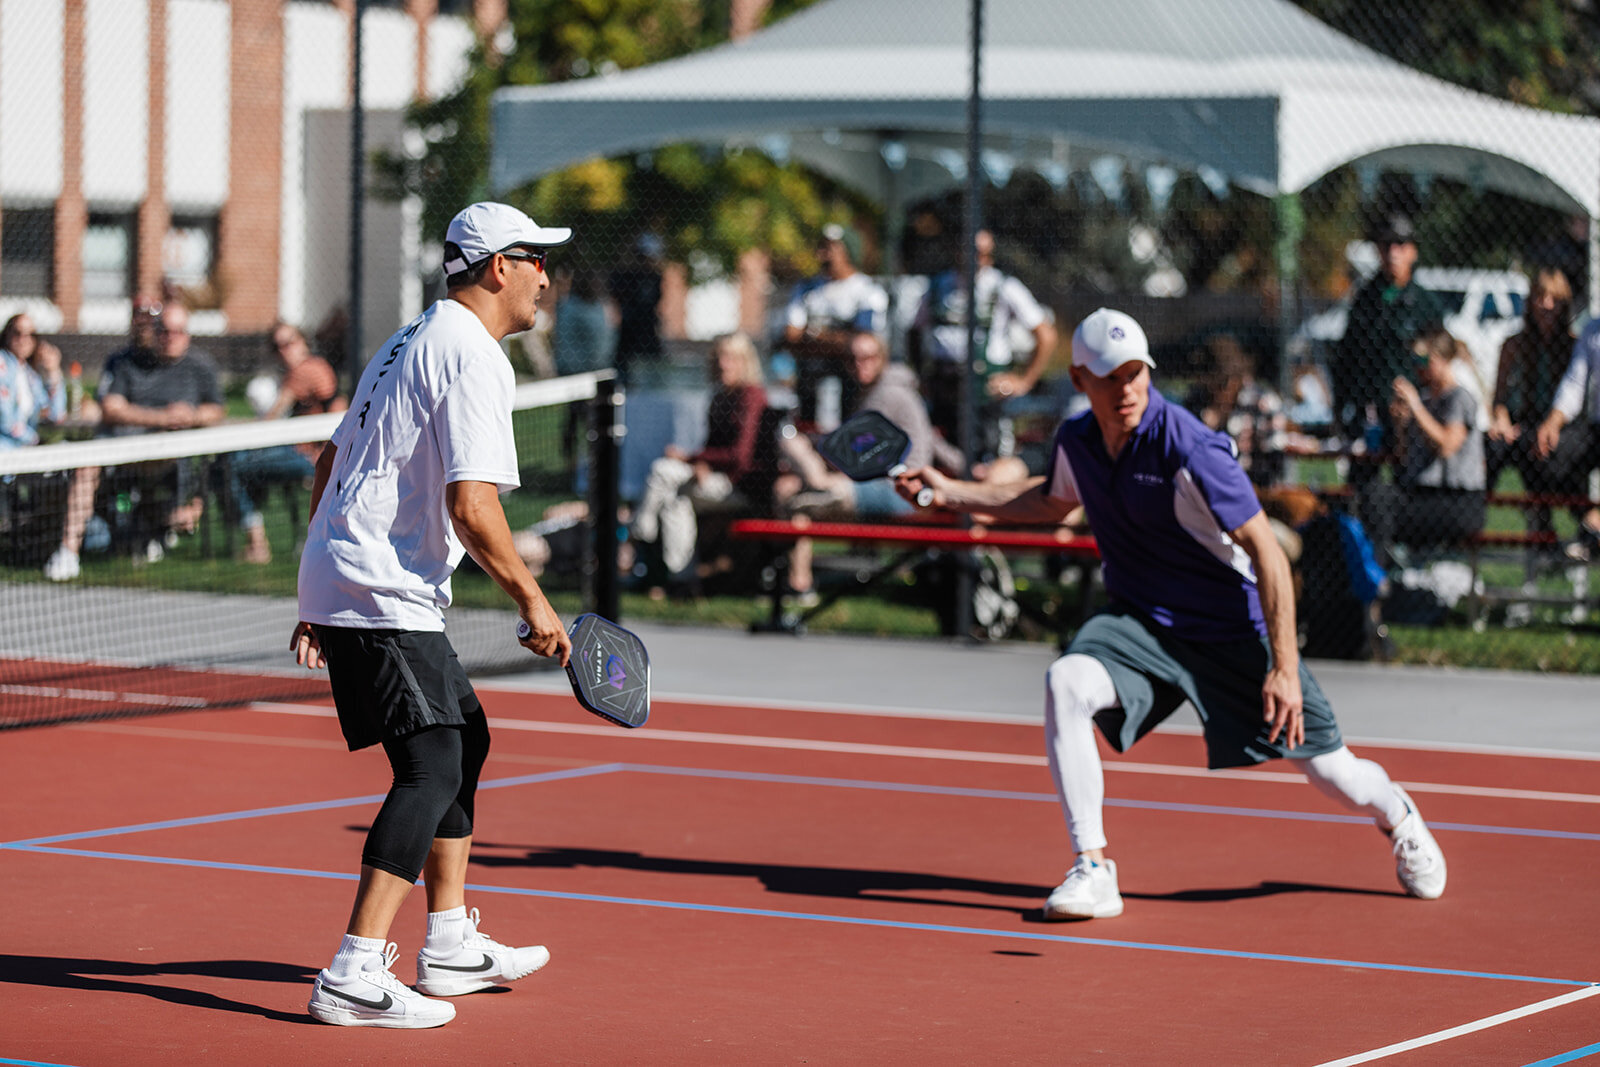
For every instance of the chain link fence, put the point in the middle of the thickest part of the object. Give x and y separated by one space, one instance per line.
1293 198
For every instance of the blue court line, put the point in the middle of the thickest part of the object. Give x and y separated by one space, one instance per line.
1567 1057
847 920
294 809
810 780
1110 802
33 1063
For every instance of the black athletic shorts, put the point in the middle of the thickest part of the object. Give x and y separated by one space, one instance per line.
389 683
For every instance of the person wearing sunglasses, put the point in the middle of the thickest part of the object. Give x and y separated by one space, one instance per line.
411 481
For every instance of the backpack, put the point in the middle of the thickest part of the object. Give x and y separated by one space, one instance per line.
1339 579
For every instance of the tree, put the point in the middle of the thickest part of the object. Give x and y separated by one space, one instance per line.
704 201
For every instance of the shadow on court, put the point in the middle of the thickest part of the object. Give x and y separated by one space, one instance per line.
832 882
105 976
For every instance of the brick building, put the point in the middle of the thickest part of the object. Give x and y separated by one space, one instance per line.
205 143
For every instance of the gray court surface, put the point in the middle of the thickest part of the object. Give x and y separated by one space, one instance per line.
1005 681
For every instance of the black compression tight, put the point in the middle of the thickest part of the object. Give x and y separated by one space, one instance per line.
435 781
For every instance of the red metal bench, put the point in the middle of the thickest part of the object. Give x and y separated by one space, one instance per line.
913 539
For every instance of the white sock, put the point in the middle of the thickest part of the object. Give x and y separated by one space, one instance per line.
353 953
446 929
1359 784
1076 687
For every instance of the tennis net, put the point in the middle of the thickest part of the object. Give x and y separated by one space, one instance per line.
172 604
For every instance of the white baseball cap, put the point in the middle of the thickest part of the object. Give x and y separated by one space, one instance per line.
1106 340
485 228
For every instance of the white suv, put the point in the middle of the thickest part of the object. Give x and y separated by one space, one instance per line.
1482 308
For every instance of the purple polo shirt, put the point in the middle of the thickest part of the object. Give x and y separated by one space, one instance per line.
1161 512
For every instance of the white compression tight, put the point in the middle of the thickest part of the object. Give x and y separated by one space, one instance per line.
1078 686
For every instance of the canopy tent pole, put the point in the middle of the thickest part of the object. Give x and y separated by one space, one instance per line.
971 223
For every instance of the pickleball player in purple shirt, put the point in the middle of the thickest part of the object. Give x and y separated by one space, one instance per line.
1201 609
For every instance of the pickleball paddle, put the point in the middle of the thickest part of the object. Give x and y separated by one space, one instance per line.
609 669
867 446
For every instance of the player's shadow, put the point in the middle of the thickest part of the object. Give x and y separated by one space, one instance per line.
1219 894
899 887
120 976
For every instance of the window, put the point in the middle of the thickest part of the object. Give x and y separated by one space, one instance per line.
27 250
189 253
108 254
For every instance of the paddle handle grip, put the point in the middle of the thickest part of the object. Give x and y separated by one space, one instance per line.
523 630
924 495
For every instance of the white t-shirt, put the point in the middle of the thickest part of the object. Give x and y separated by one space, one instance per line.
433 407
1004 305
853 303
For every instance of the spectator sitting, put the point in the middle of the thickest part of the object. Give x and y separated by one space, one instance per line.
309 387
1531 364
31 386
1438 494
170 386
678 483
818 490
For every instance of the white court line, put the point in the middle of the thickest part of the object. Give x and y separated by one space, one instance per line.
947 715
1017 759
56 692
1465 1028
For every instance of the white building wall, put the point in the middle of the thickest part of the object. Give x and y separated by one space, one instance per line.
30 100
388 60
197 104
450 42
116 95
316 74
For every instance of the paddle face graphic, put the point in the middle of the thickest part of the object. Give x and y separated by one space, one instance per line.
609 670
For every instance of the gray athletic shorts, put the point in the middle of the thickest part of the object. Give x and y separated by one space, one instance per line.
1155 672
389 683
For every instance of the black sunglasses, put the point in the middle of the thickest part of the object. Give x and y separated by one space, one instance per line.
536 258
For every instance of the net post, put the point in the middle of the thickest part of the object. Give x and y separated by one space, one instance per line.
606 430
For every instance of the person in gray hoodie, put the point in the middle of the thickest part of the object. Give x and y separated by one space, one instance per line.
819 491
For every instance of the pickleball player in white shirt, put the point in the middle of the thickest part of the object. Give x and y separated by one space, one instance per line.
408 483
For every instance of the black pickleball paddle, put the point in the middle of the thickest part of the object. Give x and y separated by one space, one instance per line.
867 446
609 669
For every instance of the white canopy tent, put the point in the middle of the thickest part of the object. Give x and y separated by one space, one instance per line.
1255 92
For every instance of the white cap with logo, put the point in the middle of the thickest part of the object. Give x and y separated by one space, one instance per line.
485 228
1106 340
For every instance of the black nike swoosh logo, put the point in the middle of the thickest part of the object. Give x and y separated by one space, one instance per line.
382 1004
486 965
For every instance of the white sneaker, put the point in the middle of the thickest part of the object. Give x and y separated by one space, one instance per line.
1419 862
375 997
62 566
479 963
1090 892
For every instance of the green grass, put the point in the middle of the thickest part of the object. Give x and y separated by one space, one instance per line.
896 608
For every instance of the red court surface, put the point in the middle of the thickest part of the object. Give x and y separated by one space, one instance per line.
742 885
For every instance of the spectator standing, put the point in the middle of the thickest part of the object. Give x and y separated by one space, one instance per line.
1438 493
584 337
170 386
636 288
940 333
32 389
679 483
824 315
1388 312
